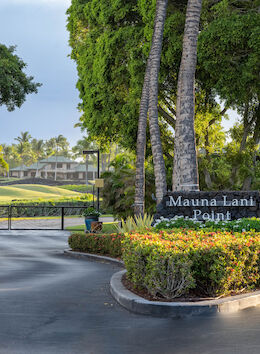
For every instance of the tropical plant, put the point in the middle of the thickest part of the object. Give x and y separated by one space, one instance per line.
90 211
138 223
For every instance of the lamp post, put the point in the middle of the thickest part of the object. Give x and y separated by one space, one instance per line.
91 152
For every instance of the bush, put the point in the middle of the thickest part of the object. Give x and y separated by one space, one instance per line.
106 244
41 207
119 187
213 264
240 225
81 188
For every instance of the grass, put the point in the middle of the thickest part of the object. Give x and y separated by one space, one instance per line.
108 227
32 192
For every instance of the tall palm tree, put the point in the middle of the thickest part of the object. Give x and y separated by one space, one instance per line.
24 138
38 149
149 101
185 171
155 58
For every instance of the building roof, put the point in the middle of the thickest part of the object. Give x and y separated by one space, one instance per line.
36 166
19 168
82 168
59 159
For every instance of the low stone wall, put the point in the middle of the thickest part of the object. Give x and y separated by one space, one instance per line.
221 205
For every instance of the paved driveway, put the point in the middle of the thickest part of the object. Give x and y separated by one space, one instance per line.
53 304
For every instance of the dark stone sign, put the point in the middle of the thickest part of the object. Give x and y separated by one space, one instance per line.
215 206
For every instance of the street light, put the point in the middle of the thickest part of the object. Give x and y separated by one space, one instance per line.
91 152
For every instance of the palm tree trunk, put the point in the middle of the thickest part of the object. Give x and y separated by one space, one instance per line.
141 146
155 57
185 170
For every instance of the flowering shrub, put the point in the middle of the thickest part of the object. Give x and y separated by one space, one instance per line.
240 225
106 244
212 263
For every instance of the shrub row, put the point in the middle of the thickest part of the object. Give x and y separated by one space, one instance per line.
41 207
105 244
81 188
206 263
240 225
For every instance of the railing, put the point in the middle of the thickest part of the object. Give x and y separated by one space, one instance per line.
31 217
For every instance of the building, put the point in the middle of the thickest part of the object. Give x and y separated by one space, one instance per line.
57 168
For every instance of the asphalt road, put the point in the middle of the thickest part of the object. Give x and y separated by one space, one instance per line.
50 303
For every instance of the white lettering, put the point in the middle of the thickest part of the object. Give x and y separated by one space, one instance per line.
195 202
218 215
204 202
196 213
243 202
213 202
175 203
226 203
235 202
186 202
205 216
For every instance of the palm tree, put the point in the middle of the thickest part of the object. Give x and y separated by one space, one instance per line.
24 138
38 149
185 171
155 58
149 101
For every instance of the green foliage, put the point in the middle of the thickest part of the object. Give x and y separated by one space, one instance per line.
81 188
160 270
240 225
212 264
14 83
137 223
106 244
231 41
90 211
3 163
119 187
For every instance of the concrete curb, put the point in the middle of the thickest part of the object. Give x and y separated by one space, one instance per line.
93 257
137 304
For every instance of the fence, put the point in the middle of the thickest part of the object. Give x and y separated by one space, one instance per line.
31 217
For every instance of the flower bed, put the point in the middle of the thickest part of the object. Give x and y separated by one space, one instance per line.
105 244
240 225
172 264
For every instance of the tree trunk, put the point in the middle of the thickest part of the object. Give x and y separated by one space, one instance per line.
155 57
185 170
141 146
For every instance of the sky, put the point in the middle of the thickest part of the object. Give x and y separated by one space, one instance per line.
38 28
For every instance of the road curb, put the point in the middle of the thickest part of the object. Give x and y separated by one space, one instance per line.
93 257
137 304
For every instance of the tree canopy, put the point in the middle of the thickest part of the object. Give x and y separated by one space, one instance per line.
110 43
14 83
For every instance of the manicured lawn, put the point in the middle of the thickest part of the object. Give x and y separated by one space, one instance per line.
108 227
32 192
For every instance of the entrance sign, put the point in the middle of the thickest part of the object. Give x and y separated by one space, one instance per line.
215 206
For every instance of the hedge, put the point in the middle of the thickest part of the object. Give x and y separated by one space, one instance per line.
172 264
105 244
208 264
41 207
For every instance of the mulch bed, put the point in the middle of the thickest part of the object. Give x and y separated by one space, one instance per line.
142 292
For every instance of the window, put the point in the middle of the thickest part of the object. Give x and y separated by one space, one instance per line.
59 165
68 166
